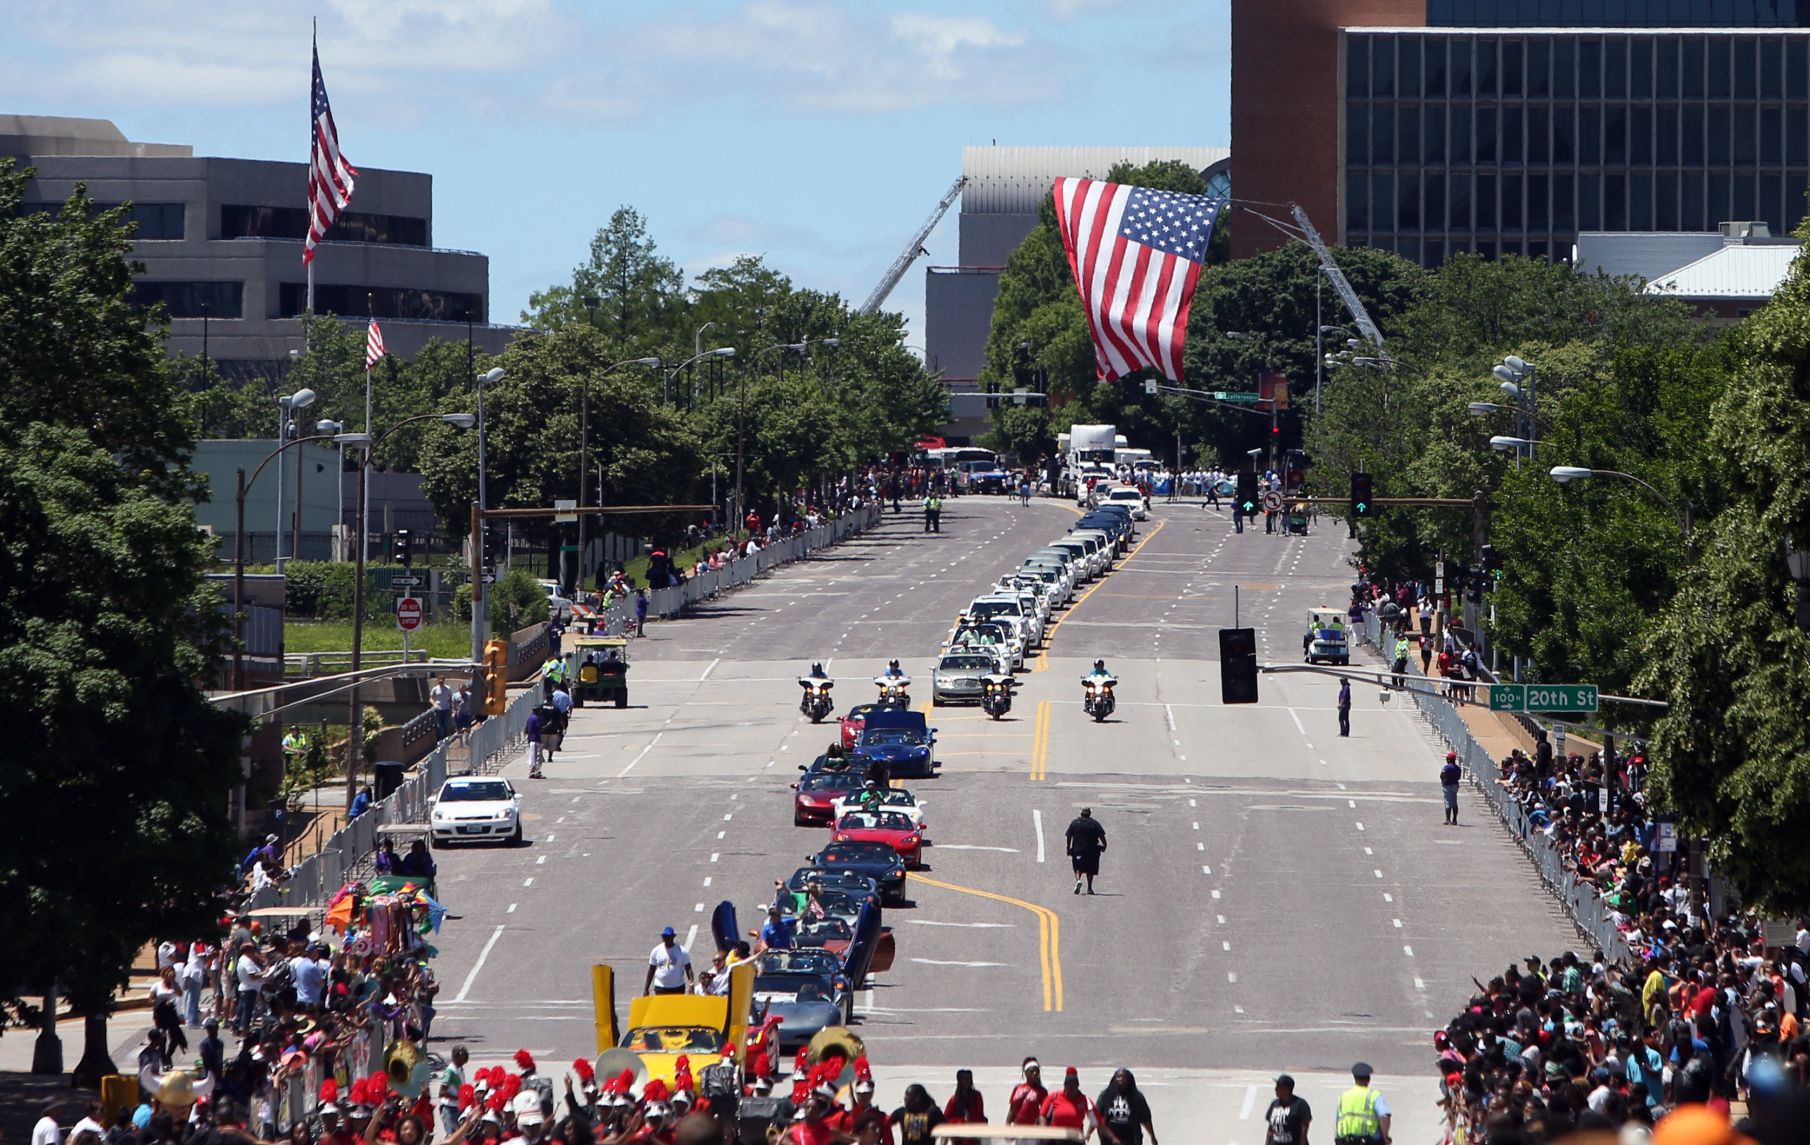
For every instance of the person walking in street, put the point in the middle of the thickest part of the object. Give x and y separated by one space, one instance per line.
1426 655
532 730
1449 777
1363 1114
1068 1108
1086 843
668 967
1025 1104
1345 707
1288 1116
1399 670
641 612
1426 616
1124 1113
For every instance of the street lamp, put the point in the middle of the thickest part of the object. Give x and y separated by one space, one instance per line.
479 616
299 400
329 427
584 453
355 737
1565 474
1503 443
667 381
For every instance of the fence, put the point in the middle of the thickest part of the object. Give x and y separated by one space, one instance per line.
482 751
1579 898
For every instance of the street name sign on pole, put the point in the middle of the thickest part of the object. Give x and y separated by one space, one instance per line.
1542 697
405 582
563 507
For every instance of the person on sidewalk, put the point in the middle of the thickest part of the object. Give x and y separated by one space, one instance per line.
1398 671
533 732
1449 777
1086 843
1345 707
641 611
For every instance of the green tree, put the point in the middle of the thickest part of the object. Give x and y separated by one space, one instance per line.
639 293
106 622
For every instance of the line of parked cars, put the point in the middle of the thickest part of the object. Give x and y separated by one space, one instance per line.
1008 622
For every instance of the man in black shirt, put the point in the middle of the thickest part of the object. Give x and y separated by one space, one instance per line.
1288 1116
1086 842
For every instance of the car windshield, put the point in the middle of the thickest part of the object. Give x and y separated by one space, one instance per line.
859 711
891 737
823 929
966 663
873 821
673 1040
855 853
490 791
796 987
994 608
828 781
797 962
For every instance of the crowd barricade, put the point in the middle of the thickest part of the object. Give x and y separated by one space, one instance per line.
1580 898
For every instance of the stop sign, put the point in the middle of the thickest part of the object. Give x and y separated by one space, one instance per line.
408 614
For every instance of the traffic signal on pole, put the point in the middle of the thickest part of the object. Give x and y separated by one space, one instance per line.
1492 560
405 552
496 677
1363 503
1238 665
1247 496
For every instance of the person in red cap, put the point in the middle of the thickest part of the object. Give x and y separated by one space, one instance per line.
1449 777
1069 1108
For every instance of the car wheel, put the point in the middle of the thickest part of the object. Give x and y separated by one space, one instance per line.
622 700
515 840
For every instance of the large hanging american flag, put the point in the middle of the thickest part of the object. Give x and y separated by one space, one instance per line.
374 350
1136 254
329 175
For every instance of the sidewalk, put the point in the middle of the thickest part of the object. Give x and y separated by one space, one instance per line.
22 1095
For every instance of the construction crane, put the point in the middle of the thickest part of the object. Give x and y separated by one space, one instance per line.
913 249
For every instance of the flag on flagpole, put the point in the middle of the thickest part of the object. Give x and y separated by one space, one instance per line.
329 175
1136 254
374 350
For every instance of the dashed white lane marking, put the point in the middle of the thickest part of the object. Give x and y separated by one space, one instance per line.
720 834
710 669
1169 714
697 908
1228 947
1221 918
1387 897
728 815
1190 802
1215 894
511 909
549 836
1202 847
1237 1009
715 855
541 862
1419 985
1408 950
1037 825
1299 726
1397 923
1368 851
528 882
707 879
643 755
1351 803
691 935
1196 825
1250 1100
479 964
1379 874
1232 976
1360 826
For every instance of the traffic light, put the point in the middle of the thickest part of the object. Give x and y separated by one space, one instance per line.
1238 665
1492 560
496 677
992 394
1247 499
405 552
1362 496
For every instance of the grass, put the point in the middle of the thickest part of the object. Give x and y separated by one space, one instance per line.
684 558
443 641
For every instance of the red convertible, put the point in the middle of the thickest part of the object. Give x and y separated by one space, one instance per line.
893 828
853 721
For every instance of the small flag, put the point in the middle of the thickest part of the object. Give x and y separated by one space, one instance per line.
1136 254
374 350
329 175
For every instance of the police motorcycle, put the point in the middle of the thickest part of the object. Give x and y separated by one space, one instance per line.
996 694
893 684
816 700
1099 684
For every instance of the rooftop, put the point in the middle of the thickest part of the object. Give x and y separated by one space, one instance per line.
68 135
1013 180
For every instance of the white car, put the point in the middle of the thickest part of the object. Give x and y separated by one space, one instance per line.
475 807
893 799
1053 578
1088 555
1101 542
1076 565
1132 498
1011 609
1065 576
559 609
957 676
1003 640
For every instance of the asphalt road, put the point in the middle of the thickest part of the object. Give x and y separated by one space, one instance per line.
1274 897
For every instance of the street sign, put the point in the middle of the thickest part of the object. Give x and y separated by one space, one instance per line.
564 503
1272 502
489 578
1542 697
408 613
1235 396
1665 838
405 582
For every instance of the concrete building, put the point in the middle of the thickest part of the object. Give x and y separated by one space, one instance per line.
1726 274
221 243
999 206
1510 126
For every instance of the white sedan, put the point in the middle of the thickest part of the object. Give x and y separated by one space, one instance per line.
476 807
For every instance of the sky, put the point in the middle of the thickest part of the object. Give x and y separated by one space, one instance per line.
818 134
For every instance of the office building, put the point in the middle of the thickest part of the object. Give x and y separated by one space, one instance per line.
1006 187
221 244
1725 274
1510 126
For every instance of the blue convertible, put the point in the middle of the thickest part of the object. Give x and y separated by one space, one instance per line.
901 741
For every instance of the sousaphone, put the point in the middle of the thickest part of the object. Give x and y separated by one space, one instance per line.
833 1043
407 1068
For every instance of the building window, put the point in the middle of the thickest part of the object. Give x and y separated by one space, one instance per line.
1665 201
1435 69
1433 140
1382 133
1433 190
1589 201
1539 218
1512 135
1719 85
192 299
1615 67
1665 71
1357 66
1615 136
1640 201
1458 119
1564 68
1640 68
1564 216
1486 66
1407 144
1458 202
1797 80
1357 135
1746 68
1357 201
253 222
1691 149
1772 76
1640 136
1691 214
1719 137
1797 137
1590 68
1590 135
383 302
1511 201
1667 141
1459 60
1382 66
1539 68
1746 145
152 222
1691 83
1564 135
1486 203
1772 129
1407 80
1538 135
1382 196
1718 197
1513 66
1615 202
1745 205
1486 135
1407 202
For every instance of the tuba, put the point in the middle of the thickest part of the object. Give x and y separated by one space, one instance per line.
833 1043
407 1068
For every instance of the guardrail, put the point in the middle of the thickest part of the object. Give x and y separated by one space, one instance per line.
1579 897
307 665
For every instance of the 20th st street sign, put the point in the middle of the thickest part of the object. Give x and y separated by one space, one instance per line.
1542 697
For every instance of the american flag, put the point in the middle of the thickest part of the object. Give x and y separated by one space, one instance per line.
1136 254
374 350
329 175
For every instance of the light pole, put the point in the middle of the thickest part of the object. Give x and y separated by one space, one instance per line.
329 427
1686 520
244 486
667 378
479 619
355 722
299 400
584 452
1520 381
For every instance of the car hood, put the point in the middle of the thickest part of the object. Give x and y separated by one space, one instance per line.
473 808
891 752
803 1018
873 835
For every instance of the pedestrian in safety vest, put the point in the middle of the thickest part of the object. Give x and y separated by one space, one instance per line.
933 514
1363 1114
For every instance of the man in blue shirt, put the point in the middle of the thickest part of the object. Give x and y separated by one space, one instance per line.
780 932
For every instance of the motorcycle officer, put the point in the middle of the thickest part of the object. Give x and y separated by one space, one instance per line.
1099 674
893 670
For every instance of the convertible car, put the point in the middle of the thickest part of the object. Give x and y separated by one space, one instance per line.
890 828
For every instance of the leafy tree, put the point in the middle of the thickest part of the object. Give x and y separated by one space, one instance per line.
106 622
640 293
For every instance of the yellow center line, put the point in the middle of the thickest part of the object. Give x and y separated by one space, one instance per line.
1049 935
1040 741
1049 637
